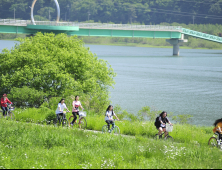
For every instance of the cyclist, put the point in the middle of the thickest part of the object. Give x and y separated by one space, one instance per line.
160 123
218 126
60 108
4 101
109 117
75 110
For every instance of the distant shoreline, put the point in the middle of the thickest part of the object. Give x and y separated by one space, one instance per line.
149 46
139 45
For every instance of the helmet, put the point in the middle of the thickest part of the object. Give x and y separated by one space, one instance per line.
4 95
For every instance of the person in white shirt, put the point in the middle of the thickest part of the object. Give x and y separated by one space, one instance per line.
109 117
60 109
75 110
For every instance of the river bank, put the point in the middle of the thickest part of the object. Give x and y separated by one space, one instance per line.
149 46
139 45
193 43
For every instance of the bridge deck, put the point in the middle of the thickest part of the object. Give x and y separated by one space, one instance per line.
101 29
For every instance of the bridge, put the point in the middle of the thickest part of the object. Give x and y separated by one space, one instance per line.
173 34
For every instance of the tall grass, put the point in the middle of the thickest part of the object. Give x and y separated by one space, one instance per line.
183 133
27 145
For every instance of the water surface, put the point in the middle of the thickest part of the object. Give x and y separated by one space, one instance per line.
188 84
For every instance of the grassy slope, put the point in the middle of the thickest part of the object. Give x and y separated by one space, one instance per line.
26 145
181 133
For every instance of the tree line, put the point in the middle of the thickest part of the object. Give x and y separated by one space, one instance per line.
118 11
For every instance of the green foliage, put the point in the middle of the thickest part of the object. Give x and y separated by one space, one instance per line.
4 36
40 18
45 12
58 66
26 97
145 112
117 109
183 119
51 117
132 117
123 114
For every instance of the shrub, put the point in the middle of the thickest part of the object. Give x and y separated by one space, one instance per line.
51 117
26 96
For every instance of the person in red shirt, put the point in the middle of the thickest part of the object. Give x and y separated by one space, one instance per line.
4 101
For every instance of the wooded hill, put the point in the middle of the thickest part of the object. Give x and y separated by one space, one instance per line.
118 11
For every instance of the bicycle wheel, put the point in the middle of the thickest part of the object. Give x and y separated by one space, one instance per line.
70 120
116 130
213 142
157 137
58 122
105 129
65 123
82 123
11 116
169 138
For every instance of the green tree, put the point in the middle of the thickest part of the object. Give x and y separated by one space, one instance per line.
55 65
46 12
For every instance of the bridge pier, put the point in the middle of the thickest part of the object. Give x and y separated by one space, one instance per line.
176 45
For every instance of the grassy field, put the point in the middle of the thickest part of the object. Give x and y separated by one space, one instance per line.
27 145
182 133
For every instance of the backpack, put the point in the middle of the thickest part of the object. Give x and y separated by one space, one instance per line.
157 122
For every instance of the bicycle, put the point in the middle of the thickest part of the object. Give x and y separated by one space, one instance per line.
167 137
215 141
115 129
63 120
9 113
82 123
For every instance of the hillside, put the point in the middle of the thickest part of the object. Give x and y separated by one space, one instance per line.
27 145
119 11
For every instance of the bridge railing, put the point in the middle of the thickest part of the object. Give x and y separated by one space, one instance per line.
92 25
202 35
128 26
54 23
109 26
13 22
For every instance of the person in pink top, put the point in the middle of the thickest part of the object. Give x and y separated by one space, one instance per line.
75 110
4 101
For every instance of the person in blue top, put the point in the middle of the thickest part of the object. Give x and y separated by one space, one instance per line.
109 117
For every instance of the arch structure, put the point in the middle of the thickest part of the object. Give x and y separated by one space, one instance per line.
32 9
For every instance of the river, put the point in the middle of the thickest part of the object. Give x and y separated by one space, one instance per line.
188 84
